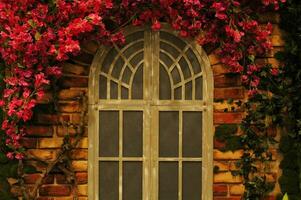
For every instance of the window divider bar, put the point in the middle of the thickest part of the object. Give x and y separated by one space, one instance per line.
180 155
120 152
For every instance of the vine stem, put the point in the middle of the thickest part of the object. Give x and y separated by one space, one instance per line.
62 156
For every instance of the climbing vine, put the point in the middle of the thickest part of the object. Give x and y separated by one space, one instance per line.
37 36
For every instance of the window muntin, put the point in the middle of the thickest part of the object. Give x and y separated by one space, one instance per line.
161 106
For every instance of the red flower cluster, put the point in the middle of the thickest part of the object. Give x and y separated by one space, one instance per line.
35 37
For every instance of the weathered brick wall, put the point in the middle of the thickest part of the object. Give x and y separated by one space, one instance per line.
45 134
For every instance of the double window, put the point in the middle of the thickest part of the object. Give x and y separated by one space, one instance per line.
150 122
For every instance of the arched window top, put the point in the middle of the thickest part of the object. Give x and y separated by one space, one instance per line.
150 119
152 65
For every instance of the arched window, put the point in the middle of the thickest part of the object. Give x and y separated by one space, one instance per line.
150 119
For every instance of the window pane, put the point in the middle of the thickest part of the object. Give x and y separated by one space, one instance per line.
192 134
132 181
108 133
168 180
168 133
114 90
188 91
165 85
102 87
108 180
199 88
137 87
132 133
192 180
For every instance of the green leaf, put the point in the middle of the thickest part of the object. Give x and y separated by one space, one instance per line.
285 197
29 169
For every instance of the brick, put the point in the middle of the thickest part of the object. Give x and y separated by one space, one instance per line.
227 118
73 81
213 58
62 131
61 198
51 119
50 143
274 62
236 190
220 107
218 144
32 178
77 118
80 166
227 93
222 165
277 41
83 143
79 154
82 190
47 155
67 94
70 107
229 155
69 68
271 17
89 46
82 177
55 190
220 69
83 58
226 198
220 190
47 98
29 143
227 81
226 177
44 131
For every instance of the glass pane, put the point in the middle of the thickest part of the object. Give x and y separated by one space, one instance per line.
111 55
199 88
174 39
192 134
185 68
108 180
178 93
188 91
108 133
117 68
124 93
114 90
168 133
102 87
175 75
168 180
170 49
134 37
192 180
137 87
165 59
127 75
132 133
165 87
136 59
132 181
194 61
135 46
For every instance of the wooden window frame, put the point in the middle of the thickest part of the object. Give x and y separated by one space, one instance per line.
205 105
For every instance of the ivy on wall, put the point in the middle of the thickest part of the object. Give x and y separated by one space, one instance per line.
290 95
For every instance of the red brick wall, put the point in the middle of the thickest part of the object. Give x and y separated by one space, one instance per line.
46 135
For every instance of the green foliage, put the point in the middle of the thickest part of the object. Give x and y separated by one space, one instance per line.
226 133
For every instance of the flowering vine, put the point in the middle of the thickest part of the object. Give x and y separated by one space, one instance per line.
36 36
